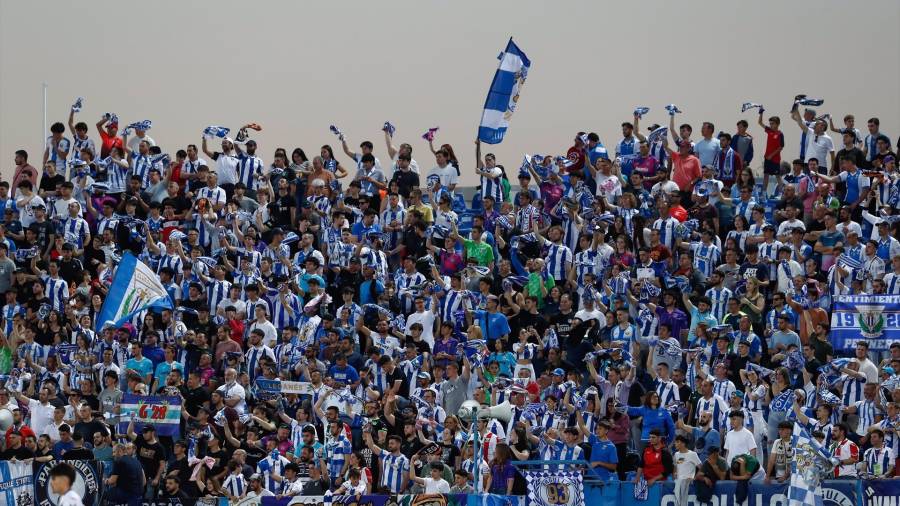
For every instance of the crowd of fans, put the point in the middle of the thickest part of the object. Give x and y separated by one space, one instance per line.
655 310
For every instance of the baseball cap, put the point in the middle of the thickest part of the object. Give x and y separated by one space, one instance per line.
559 372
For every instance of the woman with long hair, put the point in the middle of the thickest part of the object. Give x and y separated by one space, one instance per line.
619 433
502 472
753 302
331 164
653 416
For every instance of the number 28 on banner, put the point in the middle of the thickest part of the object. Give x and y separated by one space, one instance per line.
152 411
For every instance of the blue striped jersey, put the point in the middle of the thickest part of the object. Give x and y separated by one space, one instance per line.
493 187
717 406
116 176
666 229
275 467
768 251
216 292
706 257
249 167
254 354
668 392
274 255
723 388
173 262
878 460
75 231
393 470
867 411
389 215
140 166
558 259
452 302
77 145
852 389
214 195
53 152
336 452
235 484
9 312
719 298
57 291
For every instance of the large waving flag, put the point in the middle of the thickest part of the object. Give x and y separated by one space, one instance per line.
504 94
811 464
135 288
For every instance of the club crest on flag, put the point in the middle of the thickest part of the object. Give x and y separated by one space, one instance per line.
871 320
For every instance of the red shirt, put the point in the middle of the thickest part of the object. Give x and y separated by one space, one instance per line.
774 140
685 170
653 466
108 142
577 156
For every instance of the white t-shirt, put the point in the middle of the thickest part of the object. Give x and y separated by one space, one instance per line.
818 147
426 318
227 168
135 142
41 416
585 315
447 174
438 486
738 442
686 464
235 390
70 498
664 187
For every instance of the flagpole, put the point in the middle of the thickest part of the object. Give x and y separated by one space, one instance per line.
44 87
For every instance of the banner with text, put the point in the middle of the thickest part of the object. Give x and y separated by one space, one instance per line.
162 412
871 318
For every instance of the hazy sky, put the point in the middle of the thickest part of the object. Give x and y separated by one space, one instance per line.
295 67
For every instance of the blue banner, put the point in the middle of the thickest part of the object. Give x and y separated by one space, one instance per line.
871 318
162 412
880 492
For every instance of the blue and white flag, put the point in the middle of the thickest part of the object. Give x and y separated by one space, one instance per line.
389 128
216 131
336 131
503 95
16 482
673 109
814 102
760 370
810 465
751 105
657 135
140 125
79 103
134 288
641 111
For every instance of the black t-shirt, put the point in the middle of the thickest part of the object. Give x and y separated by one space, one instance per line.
414 246
79 454
149 455
43 230
563 325
410 446
21 453
49 183
70 271
406 181
280 210
758 270
129 473
193 398
87 429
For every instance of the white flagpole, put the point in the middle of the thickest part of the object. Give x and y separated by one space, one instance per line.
44 125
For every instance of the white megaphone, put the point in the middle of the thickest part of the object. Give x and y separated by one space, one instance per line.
502 412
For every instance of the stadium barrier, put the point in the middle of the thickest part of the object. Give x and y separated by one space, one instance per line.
27 484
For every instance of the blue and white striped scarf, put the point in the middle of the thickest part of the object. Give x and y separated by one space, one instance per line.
79 103
336 131
216 131
751 105
640 111
389 128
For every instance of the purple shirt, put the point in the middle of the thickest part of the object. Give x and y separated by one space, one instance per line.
449 347
677 320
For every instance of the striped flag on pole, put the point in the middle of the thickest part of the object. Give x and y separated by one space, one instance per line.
504 94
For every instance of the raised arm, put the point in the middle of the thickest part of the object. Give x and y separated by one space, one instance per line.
205 147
